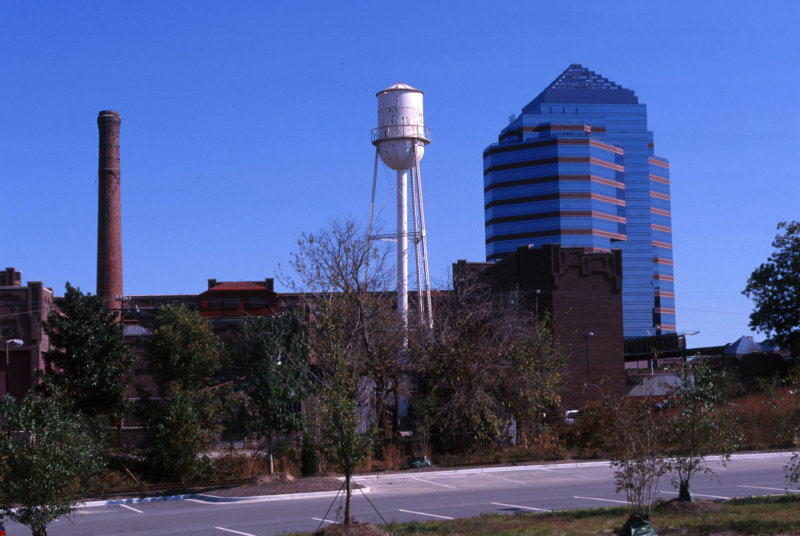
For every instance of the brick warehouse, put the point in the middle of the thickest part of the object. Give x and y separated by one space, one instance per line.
23 310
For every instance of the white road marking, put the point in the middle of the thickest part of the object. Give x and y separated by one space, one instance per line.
701 495
523 507
598 499
506 479
711 496
424 514
234 531
322 520
435 483
772 489
131 508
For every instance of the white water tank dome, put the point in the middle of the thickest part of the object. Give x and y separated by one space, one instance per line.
401 126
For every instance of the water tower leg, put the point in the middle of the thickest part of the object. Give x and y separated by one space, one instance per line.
402 246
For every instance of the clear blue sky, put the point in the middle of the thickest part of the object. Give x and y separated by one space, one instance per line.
245 124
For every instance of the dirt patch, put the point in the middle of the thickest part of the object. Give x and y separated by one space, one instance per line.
277 484
698 506
354 529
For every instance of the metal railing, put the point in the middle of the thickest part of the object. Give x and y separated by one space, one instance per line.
400 132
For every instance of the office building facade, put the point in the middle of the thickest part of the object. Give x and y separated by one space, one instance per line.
577 168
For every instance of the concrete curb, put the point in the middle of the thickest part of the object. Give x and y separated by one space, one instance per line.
213 499
534 467
477 470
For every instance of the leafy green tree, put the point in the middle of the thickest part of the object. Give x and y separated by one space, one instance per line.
183 350
47 458
774 287
89 359
185 355
181 432
699 425
271 351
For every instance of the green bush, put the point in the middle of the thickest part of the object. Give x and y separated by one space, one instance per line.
309 455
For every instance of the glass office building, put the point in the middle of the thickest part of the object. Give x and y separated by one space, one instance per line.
577 168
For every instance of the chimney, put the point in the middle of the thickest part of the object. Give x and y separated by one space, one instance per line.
10 278
109 225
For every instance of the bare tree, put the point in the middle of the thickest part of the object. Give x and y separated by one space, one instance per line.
489 361
637 460
353 336
700 424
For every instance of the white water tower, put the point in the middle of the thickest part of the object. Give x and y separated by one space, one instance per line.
400 140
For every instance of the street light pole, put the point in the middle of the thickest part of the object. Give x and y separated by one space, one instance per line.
16 343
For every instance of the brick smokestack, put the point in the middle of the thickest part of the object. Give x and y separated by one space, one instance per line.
109 219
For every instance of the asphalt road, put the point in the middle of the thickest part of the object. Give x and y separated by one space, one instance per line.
409 496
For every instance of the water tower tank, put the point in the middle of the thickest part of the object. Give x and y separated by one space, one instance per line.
400 126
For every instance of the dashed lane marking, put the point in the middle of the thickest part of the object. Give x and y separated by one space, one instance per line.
435 483
599 499
424 514
131 508
234 531
522 507
506 479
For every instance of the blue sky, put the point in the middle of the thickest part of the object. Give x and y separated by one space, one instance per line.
245 124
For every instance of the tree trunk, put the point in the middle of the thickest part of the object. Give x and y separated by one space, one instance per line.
684 495
347 500
396 410
269 450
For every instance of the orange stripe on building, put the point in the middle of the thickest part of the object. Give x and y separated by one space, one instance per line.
593 143
663 277
665 311
664 245
659 195
665 294
668 327
594 232
662 260
656 178
593 178
590 160
663 228
657 162
596 197
660 212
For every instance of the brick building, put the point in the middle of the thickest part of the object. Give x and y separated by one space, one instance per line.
23 311
582 291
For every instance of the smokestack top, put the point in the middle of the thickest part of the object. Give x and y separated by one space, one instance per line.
108 118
